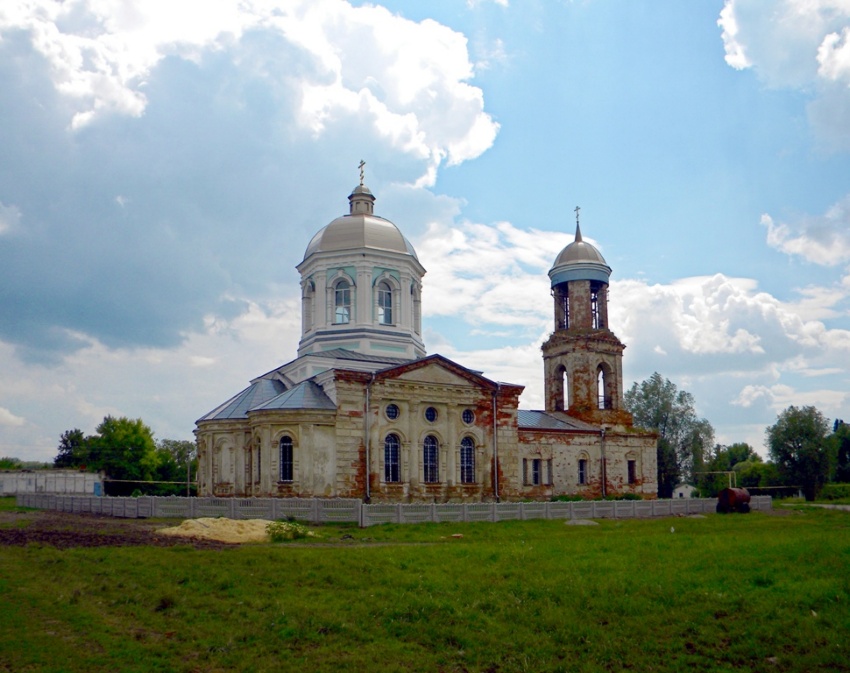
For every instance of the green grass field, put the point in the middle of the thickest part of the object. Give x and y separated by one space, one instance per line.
724 593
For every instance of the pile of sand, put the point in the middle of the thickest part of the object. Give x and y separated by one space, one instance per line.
222 530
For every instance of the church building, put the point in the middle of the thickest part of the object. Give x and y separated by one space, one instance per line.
364 412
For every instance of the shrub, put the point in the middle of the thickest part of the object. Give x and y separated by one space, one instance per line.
280 531
835 492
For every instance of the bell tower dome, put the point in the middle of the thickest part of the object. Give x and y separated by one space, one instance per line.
361 286
582 358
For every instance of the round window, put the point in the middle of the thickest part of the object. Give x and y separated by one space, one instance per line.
392 411
430 414
468 416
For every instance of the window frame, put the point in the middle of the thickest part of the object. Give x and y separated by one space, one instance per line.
385 303
342 288
392 459
431 460
582 471
467 460
286 460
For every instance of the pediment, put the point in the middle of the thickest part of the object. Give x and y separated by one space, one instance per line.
438 370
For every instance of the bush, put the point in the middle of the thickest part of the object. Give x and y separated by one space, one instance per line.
835 492
281 531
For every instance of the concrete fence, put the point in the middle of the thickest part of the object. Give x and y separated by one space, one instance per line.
50 481
316 510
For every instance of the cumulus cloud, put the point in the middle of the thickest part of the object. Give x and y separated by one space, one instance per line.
10 419
411 83
823 240
490 275
204 136
800 44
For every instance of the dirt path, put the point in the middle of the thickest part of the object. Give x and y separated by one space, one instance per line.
64 530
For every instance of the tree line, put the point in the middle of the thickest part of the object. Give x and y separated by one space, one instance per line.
125 451
804 454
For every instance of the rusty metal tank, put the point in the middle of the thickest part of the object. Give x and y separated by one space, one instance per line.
733 500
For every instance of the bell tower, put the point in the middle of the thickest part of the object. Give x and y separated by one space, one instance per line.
583 359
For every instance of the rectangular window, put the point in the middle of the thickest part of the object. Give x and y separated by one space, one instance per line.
632 471
535 472
582 471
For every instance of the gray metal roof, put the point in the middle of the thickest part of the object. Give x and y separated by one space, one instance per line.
345 354
579 261
259 392
543 420
352 232
306 395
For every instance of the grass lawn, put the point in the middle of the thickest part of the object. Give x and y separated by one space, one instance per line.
749 592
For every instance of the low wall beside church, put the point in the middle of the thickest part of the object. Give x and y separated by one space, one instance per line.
350 510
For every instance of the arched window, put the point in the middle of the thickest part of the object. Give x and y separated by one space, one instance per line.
385 303
392 449
342 302
603 387
286 465
582 470
467 461
430 451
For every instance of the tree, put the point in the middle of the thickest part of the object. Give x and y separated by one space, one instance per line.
798 446
683 438
9 463
840 451
124 449
176 462
73 449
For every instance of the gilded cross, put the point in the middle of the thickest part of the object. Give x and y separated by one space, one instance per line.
577 209
362 164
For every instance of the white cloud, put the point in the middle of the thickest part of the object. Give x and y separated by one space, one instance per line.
799 44
823 240
779 397
408 80
9 419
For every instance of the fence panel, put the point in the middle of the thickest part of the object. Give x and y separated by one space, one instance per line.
533 510
679 506
624 509
449 512
508 511
380 513
643 509
661 507
603 509
559 510
339 511
479 511
303 509
145 507
416 513
171 507
582 510
254 508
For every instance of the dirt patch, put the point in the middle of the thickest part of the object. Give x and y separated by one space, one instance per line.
63 531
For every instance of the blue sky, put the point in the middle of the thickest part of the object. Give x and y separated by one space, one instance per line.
164 167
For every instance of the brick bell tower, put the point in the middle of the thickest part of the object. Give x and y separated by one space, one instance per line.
583 359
